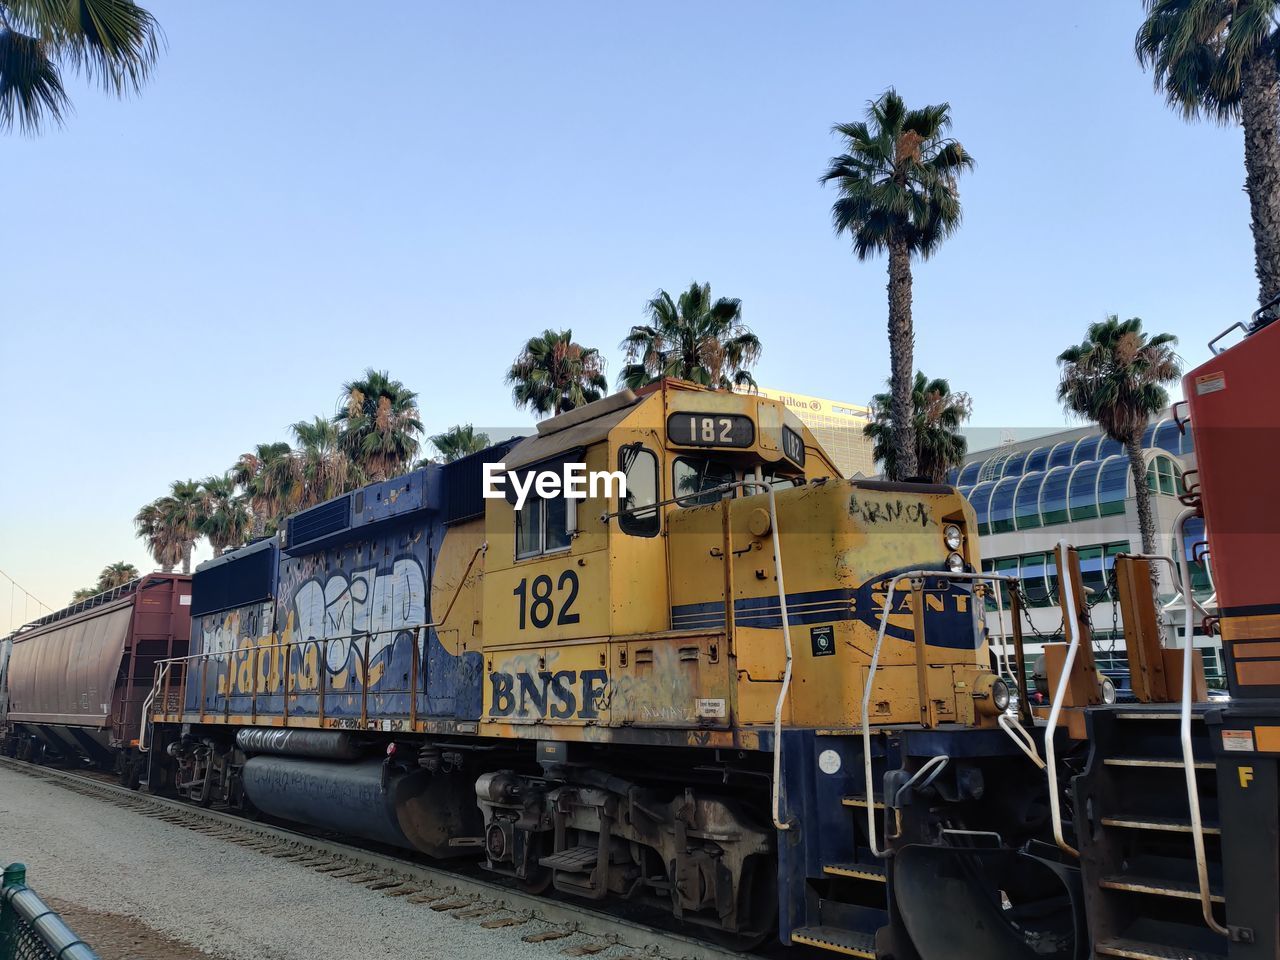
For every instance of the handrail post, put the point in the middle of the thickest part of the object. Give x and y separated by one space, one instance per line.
1184 726
414 658
1020 658
322 673
364 684
204 669
284 685
918 653
1071 612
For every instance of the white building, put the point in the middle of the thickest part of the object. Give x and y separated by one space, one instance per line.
1075 485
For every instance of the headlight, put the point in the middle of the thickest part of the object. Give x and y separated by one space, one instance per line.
955 563
1000 695
951 536
990 694
1108 690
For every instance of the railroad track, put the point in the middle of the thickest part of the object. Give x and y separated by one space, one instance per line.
489 904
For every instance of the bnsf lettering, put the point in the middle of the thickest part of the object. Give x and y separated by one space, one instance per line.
559 694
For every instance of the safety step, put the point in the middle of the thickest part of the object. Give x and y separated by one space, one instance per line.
581 859
861 802
1162 824
1196 716
851 943
859 871
1160 887
1162 763
1141 950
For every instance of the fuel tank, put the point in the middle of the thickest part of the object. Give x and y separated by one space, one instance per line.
432 813
321 744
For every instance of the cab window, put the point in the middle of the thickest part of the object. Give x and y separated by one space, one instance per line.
543 526
693 476
639 516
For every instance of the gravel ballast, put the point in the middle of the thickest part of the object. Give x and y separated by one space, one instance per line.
223 899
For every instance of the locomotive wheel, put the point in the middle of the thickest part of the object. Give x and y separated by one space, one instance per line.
757 905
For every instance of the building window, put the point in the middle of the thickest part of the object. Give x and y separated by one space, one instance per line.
640 514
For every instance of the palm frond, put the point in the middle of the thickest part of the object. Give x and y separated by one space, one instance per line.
31 91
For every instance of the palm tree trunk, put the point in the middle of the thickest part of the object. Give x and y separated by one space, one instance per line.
1146 520
186 556
901 361
1260 117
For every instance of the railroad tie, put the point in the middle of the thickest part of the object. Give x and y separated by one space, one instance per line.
586 949
451 905
553 934
497 922
481 911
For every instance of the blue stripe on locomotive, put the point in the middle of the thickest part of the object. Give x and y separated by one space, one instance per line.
358 565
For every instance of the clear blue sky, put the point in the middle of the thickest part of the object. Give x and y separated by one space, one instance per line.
305 190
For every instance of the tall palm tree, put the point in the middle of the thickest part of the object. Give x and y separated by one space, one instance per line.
459 441
116 575
898 194
183 511
111 42
693 338
319 468
226 521
161 538
1116 377
84 593
1218 58
380 424
254 473
553 374
937 416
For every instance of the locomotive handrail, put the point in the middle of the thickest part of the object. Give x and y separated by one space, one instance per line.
1184 727
162 667
1072 614
875 664
778 822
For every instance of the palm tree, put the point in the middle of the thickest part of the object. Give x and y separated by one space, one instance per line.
319 468
898 193
1218 58
116 575
112 42
692 338
254 473
380 424
183 512
84 593
553 374
161 538
459 441
1116 378
937 416
226 521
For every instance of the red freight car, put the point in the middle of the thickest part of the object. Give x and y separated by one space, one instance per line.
1234 413
77 679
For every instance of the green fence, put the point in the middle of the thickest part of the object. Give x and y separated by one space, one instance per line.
29 930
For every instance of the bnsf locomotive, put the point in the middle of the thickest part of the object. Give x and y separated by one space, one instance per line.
748 691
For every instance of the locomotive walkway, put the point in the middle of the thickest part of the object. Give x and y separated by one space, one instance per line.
146 877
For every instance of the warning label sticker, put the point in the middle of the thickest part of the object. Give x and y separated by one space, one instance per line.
1210 383
1237 741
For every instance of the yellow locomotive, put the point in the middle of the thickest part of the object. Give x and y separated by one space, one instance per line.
656 695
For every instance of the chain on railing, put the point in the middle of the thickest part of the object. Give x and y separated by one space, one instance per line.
29 930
